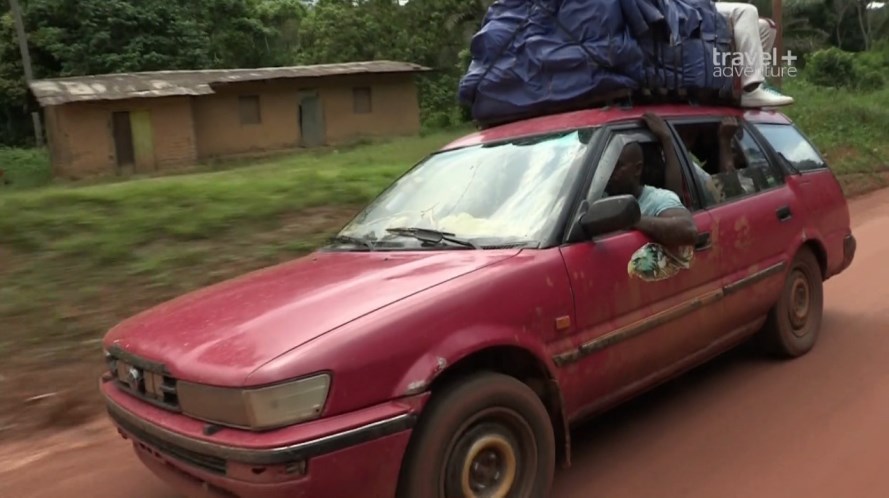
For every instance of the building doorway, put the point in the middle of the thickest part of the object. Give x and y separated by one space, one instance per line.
133 140
311 120
143 140
123 139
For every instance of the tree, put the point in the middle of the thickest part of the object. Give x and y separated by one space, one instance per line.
77 37
15 127
80 37
283 20
872 19
840 9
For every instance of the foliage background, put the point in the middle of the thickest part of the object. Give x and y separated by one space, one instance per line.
79 37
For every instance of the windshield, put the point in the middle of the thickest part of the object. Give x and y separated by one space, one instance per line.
492 194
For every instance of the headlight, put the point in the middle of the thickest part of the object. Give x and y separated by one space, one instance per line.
257 409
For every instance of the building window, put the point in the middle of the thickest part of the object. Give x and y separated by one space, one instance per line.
361 97
248 106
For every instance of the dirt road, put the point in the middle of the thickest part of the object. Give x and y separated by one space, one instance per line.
740 427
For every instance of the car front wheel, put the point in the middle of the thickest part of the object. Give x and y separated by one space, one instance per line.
486 437
794 322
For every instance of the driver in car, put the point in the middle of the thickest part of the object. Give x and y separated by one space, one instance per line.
664 218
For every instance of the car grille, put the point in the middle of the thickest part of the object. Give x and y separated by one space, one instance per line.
209 463
143 379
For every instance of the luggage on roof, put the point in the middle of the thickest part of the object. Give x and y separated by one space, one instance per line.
535 57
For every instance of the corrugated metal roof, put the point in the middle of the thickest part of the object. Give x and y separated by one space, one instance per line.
174 83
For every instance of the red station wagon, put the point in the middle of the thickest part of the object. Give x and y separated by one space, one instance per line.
446 340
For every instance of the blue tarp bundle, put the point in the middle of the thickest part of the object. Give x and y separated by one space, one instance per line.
533 56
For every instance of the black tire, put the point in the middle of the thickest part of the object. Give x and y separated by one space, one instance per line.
494 417
794 323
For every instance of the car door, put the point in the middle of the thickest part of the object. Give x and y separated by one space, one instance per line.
630 333
756 219
809 175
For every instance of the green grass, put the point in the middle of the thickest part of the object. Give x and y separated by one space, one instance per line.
850 128
24 168
106 224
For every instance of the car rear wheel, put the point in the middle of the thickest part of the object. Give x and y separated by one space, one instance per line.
486 437
793 324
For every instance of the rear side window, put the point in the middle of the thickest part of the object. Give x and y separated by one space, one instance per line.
792 145
750 173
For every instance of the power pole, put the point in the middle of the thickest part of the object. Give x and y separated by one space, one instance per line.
779 40
26 62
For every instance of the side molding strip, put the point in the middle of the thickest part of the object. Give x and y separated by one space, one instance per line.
754 278
646 324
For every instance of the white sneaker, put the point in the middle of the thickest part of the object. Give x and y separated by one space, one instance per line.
764 97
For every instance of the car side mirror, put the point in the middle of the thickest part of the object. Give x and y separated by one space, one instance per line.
610 215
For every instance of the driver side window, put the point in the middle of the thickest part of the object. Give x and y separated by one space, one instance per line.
654 170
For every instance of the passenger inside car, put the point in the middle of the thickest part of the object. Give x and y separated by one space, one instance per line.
664 217
727 160
697 148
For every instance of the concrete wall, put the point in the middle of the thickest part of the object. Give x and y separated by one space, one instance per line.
56 138
218 124
175 143
185 130
394 107
82 139
394 111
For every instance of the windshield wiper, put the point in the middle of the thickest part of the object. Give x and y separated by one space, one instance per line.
433 236
348 239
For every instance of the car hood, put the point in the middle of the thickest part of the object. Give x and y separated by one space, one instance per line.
221 334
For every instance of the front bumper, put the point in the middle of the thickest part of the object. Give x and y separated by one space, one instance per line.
357 454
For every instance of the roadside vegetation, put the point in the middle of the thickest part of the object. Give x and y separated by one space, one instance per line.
843 105
74 260
23 168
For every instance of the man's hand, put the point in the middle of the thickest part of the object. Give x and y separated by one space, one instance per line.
728 128
673 228
657 125
673 173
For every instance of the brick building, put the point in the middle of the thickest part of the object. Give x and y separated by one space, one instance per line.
147 122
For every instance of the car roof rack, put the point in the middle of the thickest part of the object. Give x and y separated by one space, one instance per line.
626 99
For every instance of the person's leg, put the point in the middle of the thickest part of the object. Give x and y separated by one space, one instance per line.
768 32
745 20
752 36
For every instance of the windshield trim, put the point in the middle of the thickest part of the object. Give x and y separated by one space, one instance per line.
585 171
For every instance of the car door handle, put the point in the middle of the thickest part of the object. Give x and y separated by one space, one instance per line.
783 213
703 242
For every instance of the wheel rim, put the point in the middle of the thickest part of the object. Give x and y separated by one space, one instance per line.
799 303
485 457
489 469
